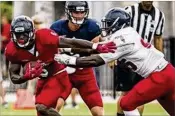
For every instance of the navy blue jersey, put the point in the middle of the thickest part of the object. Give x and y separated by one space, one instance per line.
88 30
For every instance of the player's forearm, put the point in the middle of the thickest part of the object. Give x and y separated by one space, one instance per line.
15 76
82 52
17 79
91 61
74 43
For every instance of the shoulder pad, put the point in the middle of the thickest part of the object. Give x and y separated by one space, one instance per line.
57 25
93 25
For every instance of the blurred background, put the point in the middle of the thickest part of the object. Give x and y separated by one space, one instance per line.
50 11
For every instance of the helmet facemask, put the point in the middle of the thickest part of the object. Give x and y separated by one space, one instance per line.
70 9
23 32
109 26
24 39
114 20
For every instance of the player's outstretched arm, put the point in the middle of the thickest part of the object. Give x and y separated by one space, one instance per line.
81 51
74 43
90 61
15 74
79 43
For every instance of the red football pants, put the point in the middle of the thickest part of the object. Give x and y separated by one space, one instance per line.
159 85
49 90
84 80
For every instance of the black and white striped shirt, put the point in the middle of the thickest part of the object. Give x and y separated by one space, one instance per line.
147 23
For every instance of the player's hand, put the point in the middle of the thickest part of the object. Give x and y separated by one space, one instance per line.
105 48
65 59
33 72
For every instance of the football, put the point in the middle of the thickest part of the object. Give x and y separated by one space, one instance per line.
31 63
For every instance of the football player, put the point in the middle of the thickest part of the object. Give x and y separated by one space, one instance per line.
78 25
41 45
140 57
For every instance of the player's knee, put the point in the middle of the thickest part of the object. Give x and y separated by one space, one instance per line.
97 111
60 103
43 110
126 106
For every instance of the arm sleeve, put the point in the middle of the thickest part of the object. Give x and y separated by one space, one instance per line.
160 27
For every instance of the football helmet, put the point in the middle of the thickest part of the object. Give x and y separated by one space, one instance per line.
23 32
76 6
114 20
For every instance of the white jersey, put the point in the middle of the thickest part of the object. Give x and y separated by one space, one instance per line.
141 57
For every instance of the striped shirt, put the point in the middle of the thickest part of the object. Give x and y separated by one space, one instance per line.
146 23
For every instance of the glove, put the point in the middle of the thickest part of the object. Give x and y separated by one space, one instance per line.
65 59
105 48
33 72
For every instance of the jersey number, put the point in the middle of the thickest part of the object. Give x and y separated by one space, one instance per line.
128 64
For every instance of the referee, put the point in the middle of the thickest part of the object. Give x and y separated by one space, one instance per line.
148 21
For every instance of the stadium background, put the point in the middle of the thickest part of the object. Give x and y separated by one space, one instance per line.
54 10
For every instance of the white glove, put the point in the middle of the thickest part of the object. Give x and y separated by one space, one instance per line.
65 59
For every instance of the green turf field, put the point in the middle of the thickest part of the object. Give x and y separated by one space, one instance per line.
152 109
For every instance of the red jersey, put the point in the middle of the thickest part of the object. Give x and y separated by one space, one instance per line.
46 46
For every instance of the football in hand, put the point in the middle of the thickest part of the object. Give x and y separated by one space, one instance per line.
30 64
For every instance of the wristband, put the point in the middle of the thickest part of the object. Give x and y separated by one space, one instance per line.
67 49
94 46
